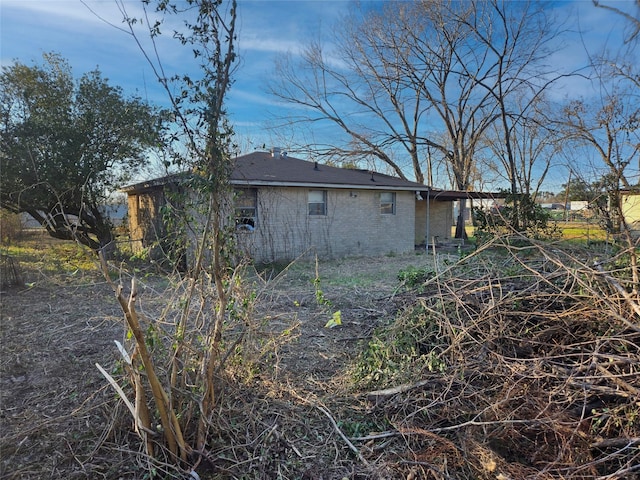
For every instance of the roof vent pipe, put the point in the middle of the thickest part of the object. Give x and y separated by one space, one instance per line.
275 152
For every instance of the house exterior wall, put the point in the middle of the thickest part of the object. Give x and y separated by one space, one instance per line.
145 220
136 229
440 221
353 225
631 211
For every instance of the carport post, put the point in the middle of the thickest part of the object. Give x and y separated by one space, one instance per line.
426 240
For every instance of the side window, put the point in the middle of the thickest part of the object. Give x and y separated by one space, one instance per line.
317 202
388 203
246 200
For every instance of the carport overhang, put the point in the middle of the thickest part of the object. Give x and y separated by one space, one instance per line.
451 196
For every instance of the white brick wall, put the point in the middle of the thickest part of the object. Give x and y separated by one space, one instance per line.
440 221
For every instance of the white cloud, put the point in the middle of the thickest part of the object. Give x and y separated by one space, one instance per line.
85 16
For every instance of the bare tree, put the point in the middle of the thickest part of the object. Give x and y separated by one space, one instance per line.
608 122
420 77
633 21
518 44
607 126
610 127
533 144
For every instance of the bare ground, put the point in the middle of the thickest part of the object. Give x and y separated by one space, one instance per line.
53 401
59 419
521 364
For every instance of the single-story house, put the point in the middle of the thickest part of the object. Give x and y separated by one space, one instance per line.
286 207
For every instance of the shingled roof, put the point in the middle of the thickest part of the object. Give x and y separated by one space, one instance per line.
278 169
264 168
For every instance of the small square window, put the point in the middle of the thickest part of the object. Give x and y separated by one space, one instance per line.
388 203
317 202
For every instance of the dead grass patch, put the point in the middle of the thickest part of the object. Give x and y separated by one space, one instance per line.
512 362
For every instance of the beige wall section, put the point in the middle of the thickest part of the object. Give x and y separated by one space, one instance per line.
441 220
135 226
631 212
145 220
353 225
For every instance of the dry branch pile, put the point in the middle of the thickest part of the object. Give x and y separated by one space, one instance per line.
515 363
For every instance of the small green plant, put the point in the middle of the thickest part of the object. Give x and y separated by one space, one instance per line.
359 427
335 318
320 298
413 277
405 349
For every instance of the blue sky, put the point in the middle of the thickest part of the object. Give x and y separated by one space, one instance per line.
267 29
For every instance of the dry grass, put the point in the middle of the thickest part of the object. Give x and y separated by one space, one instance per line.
514 362
537 371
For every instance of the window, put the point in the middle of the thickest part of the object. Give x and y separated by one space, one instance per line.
388 203
246 209
317 202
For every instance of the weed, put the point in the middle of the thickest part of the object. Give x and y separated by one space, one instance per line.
411 343
355 428
413 277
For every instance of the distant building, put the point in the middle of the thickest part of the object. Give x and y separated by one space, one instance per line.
578 205
630 206
117 212
552 206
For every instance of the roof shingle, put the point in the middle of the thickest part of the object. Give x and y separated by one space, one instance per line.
262 168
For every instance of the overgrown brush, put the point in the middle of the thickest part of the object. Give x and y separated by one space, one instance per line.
175 365
517 362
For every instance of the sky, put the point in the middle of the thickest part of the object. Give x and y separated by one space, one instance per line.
88 34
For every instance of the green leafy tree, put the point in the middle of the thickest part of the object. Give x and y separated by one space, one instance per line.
67 145
577 189
521 210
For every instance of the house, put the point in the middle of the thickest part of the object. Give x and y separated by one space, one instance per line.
286 207
630 206
578 205
553 206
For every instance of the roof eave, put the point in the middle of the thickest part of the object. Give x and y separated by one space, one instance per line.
346 186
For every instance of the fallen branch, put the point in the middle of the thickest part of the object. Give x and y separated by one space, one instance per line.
399 389
616 442
343 436
621 290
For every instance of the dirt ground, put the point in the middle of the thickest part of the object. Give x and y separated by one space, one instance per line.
507 365
58 415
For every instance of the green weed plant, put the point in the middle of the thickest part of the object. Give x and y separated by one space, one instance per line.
412 343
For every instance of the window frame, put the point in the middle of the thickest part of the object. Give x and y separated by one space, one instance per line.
312 205
388 207
245 222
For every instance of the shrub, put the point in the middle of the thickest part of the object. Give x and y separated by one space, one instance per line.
10 226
